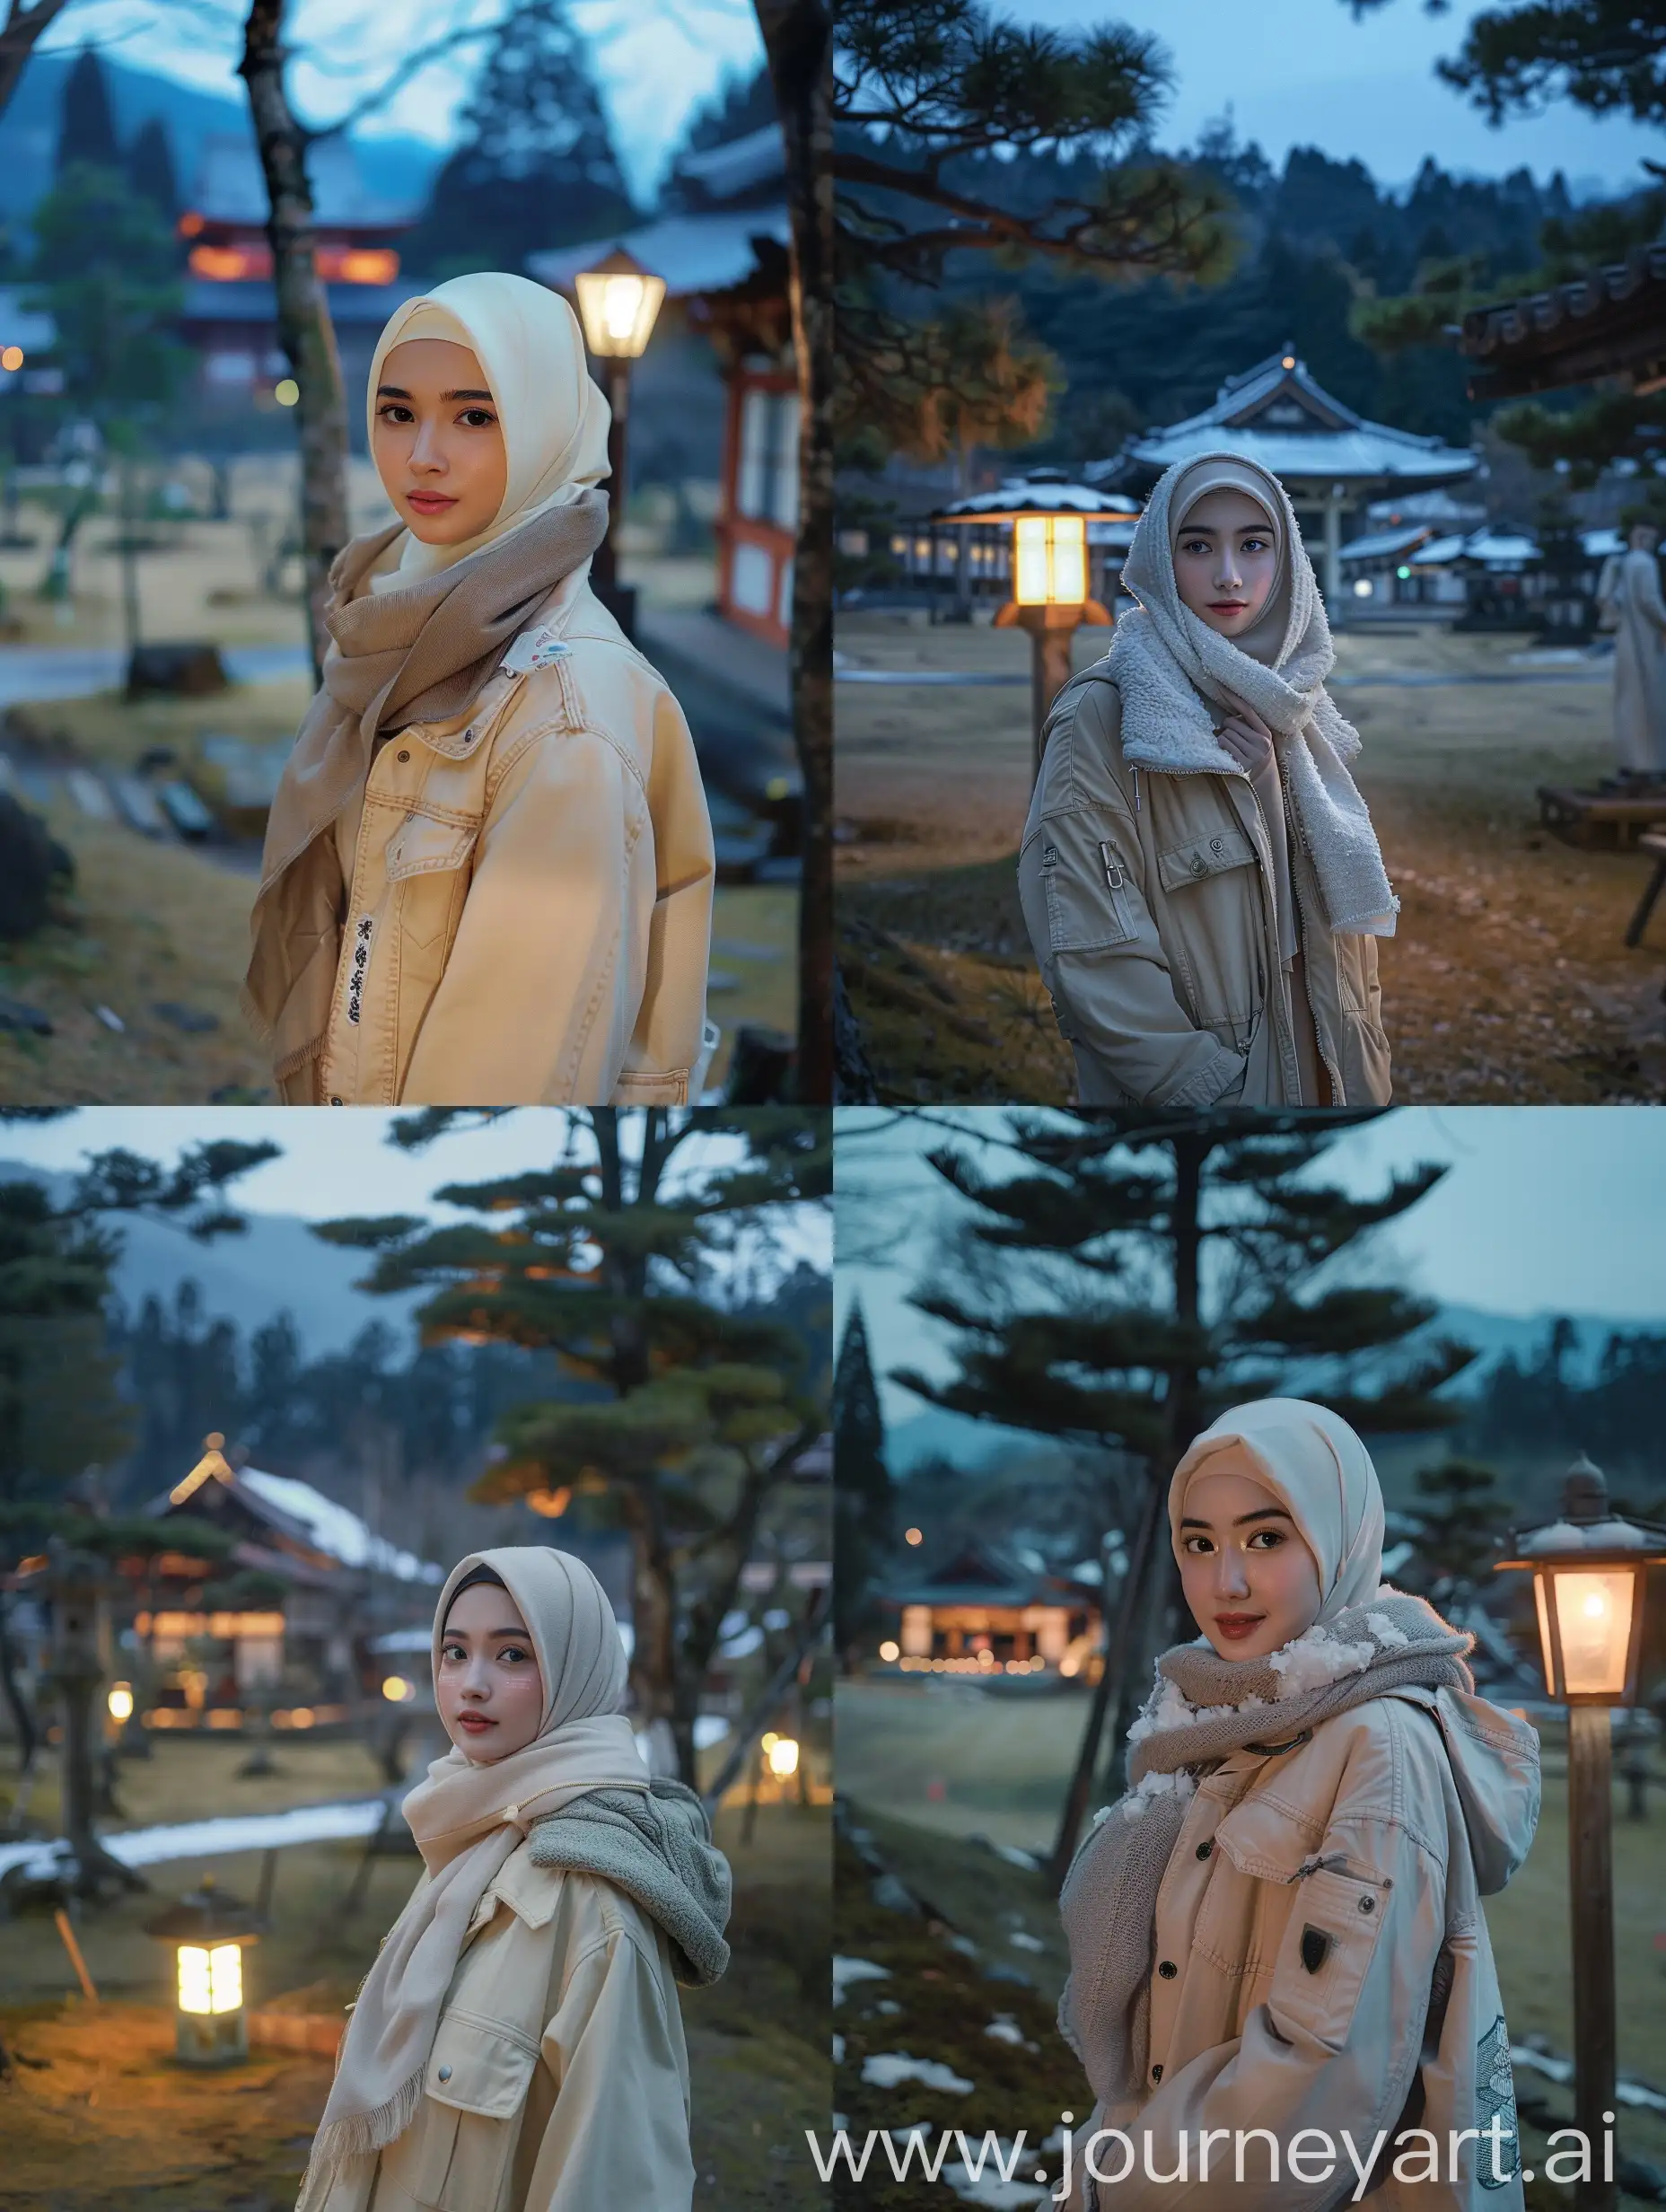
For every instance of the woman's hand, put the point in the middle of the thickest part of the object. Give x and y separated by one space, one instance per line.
1246 737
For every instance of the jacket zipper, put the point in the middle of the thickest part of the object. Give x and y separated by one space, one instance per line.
1338 1095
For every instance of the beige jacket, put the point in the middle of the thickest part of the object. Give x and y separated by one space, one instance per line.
1151 906
1322 1960
530 916
559 2080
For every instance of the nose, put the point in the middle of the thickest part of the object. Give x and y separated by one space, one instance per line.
1230 1580
1226 577
425 452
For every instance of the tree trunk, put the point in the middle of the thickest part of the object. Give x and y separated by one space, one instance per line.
304 326
797 37
22 1718
23 28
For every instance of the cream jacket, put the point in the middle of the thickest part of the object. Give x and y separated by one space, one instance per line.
1321 1961
559 2080
1150 901
530 916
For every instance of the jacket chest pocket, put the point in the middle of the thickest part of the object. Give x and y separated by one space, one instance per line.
1329 1941
456 2154
427 859
1196 858
1089 904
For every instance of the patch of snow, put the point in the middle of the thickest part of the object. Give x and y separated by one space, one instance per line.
334 1529
743 1646
210 1839
1023 1940
1316 1659
1391 1638
1005 2030
845 1972
987 2187
887 2069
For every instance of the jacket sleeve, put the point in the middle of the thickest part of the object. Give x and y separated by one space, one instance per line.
557 911
618 2133
666 1054
1080 879
1334 2047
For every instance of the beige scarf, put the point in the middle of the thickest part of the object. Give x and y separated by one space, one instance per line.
420 654
467 1818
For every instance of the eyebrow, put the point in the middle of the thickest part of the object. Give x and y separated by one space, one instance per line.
489 1634
1261 1513
398 391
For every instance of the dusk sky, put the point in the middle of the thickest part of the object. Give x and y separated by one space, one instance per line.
656 61
1540 1214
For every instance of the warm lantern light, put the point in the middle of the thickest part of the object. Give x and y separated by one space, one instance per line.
208 1933
120 1701
1590 1567
12 358
1049 560
286 392
783 1757
397 1690
617 301
912 1536
890 1653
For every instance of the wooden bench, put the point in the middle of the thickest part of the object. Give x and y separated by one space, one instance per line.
1591 818
1654 842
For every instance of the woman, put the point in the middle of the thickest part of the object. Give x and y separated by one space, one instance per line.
488 877
517 2046
1639 622
1279 1927
1200 879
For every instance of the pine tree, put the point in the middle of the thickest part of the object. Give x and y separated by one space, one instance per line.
1153 1270
151 171
863 1495
87 130
1607 57
692 1411
536 165
1457 1528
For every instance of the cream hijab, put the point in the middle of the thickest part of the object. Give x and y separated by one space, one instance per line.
1317 1468
554 417
1175 675
467 1817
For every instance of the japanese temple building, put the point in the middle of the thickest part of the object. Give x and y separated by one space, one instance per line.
980 1613
230 316
1331 460
724 260
1609 322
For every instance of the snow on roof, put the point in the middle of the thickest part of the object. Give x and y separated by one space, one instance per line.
693 253
1041 495
1385 544
336 1530
229 186
758 158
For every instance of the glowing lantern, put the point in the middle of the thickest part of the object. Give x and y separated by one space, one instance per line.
782 1753
396 1689
1590 1567
120 1701
617 301
1049 560
210 1934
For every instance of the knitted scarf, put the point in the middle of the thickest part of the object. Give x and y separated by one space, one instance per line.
1201 1709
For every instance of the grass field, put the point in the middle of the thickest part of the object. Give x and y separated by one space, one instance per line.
936 1777
1507 982
97 2117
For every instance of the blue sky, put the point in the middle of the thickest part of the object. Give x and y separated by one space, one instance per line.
1541 1212
657 60
1305 73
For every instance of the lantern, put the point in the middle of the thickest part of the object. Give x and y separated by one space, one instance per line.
208 1933
1590 1569
617 301
782 1753
1049 560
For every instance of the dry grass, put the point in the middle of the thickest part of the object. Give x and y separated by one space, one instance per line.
1508 981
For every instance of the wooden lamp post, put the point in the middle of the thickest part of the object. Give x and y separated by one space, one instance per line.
1051 598
618 303
1590 1569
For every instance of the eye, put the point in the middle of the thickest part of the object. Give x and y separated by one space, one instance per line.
1200 1546
452 1652
477 419
1257 545
395 411
512 1653
1269 1540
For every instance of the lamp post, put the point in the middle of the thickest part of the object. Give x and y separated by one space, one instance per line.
1051 598
617 301
208 1935
1590 1569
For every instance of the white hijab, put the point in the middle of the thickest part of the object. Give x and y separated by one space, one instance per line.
1175 675
554 416
467 1817
1320 1472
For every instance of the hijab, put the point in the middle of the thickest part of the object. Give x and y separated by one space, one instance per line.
553 415
418 641
467 1817
1320 1472
1176 675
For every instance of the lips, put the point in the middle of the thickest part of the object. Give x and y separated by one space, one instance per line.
1228 606
477 1723
1234 1626
429 503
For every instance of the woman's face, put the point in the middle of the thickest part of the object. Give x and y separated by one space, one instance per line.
439 445
1227 560
1251 1581
489 1691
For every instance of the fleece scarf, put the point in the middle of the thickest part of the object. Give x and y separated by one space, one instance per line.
657 1848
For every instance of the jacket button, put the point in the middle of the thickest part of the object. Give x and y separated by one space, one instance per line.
445 2074
1168 1970
1200 867
1156 2073
1203 1849
1368 1904
404 756
335 1101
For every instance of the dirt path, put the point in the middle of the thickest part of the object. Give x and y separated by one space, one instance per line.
1508 981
